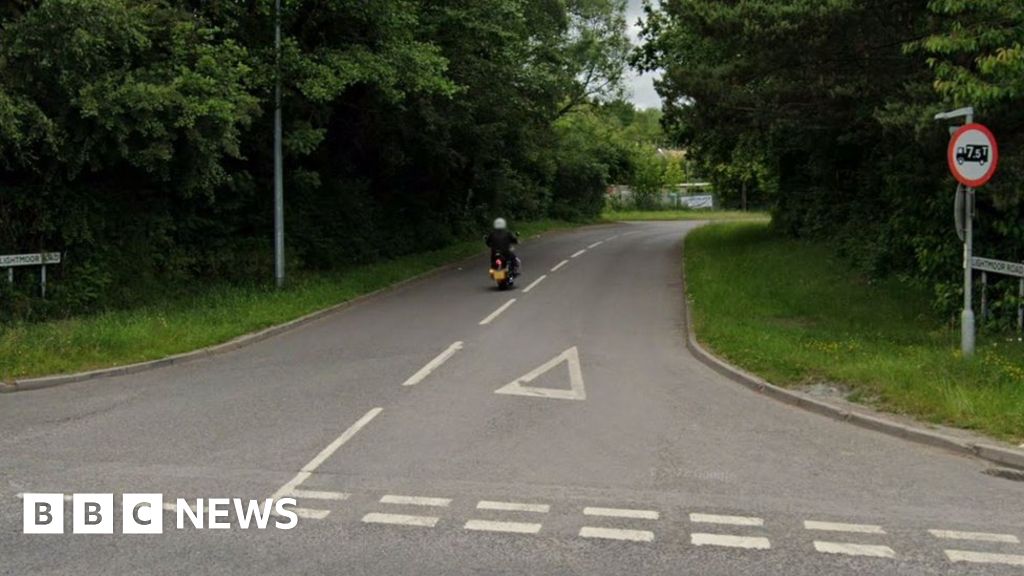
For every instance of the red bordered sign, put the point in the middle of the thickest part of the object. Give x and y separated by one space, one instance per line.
973 155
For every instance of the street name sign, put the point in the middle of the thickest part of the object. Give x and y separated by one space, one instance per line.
998 267
11 260
973 155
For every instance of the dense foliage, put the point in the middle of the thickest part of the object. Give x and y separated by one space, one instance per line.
825 107
136 135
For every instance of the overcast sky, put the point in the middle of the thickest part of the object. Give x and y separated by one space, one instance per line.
641 87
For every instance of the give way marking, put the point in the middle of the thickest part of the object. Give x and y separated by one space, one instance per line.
576 391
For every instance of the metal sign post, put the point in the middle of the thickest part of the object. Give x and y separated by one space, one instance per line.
972 156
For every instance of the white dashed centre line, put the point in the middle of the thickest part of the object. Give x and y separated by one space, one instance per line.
731 520
748 542
854 549
513 506
401 519
559 265
984 557
617 534
415 501
534 283
610 238
580 253
433 365
977 536
511 527
497 312
840 527
621 513
595 244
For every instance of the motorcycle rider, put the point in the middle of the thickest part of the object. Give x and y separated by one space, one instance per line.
500 241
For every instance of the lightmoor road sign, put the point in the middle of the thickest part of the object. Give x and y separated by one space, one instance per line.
973 155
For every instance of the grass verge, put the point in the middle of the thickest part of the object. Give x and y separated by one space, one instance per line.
791 312
620 215
212 316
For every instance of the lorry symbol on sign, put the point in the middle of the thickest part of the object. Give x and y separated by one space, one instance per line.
977 153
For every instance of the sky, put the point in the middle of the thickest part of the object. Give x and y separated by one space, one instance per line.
640 87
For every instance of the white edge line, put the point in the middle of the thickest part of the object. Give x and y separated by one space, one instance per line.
513 506
559 265
512 527
402 519
621 513
984 557
840 527
415 500
977 536
434 364
730 520
617 534
497 312
849 549
580 253
324 454
341 440
751 543
534 283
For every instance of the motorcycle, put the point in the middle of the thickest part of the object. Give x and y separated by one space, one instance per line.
502 270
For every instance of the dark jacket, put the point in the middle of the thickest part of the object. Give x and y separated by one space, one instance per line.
501 241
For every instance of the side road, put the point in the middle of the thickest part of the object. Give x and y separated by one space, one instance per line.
770 305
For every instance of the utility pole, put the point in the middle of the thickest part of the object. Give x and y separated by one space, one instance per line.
278 161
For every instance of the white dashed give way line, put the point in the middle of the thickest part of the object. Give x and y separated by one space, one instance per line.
984 557
977 536
619 533
497 312
848 549
730 541
401 519
415 501
433 364
510 527
840 527
731 520
288 490
513 506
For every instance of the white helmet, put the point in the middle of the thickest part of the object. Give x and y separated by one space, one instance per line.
499 224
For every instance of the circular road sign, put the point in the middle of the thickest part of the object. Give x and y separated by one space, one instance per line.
973 155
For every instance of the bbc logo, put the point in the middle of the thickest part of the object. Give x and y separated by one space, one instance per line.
144 513
93 513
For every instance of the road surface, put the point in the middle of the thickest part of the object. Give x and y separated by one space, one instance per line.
448 428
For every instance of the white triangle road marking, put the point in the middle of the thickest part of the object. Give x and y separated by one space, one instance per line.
571 357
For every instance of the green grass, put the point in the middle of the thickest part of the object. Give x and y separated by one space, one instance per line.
215 315
793 313
620 215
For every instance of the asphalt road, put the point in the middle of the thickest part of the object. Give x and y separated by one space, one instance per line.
625 456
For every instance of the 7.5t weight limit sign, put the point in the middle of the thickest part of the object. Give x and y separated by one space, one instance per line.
973 155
